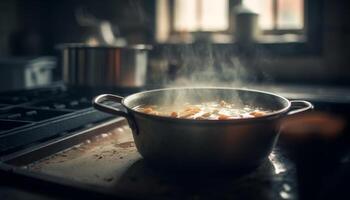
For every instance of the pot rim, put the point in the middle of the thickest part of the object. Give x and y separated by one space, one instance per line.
271 115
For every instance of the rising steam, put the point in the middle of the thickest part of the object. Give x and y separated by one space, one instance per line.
202 64
206 65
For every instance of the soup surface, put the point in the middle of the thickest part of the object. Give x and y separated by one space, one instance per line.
220 110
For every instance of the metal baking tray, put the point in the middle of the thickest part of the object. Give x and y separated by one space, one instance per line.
103 162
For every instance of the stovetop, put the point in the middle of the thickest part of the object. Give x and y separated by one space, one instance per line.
32 117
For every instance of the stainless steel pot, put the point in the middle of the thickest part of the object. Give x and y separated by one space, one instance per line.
104 66
180 143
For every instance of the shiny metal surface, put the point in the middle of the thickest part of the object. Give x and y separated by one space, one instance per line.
179 143
104 66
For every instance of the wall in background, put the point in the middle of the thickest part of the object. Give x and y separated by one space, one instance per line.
332 65
8 24
32 28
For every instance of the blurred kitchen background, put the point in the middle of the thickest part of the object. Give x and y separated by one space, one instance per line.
272 41
296 48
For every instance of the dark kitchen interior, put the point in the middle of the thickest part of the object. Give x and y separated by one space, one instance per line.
57 141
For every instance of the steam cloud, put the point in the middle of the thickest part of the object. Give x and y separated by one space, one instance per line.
203 64
206 65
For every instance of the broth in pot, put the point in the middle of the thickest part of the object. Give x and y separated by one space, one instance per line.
215 110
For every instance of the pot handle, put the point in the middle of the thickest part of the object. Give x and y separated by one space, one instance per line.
97 103
299 106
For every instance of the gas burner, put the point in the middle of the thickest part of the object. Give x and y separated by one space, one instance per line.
29 116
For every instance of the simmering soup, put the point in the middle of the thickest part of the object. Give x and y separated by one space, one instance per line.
219 110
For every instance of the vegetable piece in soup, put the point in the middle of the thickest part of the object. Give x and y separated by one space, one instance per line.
220 110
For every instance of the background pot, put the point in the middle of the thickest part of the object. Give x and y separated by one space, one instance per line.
104 66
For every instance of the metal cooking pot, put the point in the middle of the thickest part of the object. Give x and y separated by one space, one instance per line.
179 143
103 65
